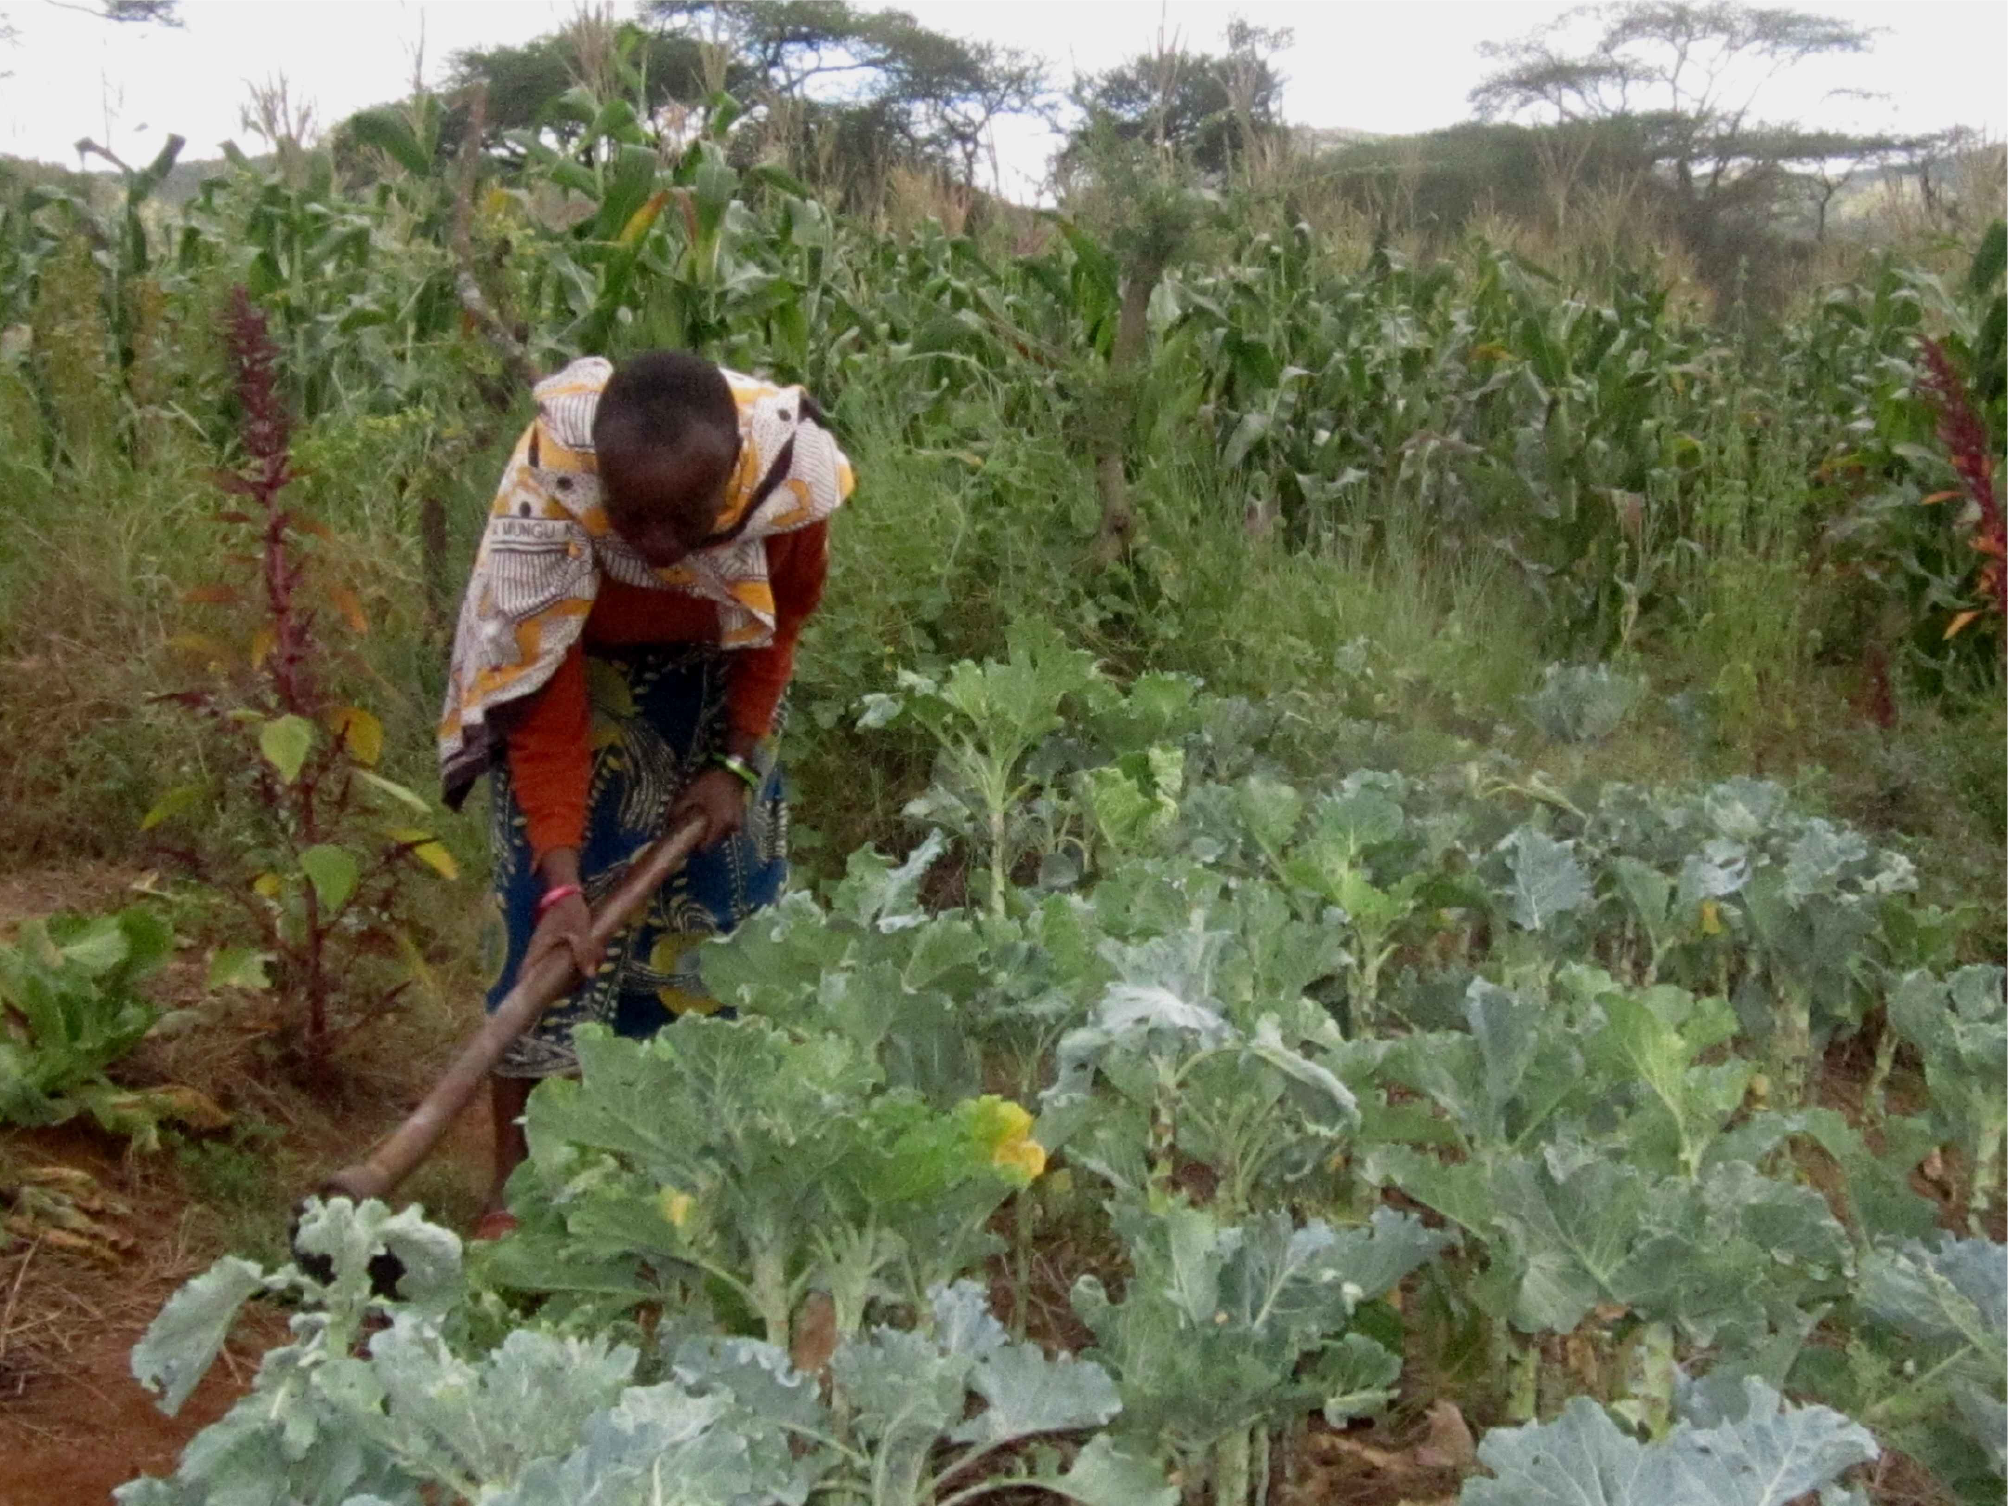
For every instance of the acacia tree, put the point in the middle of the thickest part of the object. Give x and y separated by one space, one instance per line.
1685 79
1203 109
866 75
127 11
519 84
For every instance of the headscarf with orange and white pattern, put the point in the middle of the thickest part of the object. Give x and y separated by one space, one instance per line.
548 543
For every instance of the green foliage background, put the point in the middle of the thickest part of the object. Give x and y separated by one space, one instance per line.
1534 719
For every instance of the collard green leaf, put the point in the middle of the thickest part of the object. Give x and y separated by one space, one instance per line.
1134 802
1773 1454
963 1323
1357 1377
758 1376
1271 812
1984 1416
1216 1317
1026 1393
901 1384
1331 1102
1954 1295
1960 1027
657 1446
1721 868
530 1398
1548 882
1582 702
1363 813
1102 1474
1742 808
1821 856
350 1236
1647 891
879 895
1578 1231
182 1342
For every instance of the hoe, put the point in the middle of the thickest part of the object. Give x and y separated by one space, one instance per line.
378 1175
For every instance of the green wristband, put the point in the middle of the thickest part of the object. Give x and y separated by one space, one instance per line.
734 764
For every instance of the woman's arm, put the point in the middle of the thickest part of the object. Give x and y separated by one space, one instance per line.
551 764
551 767
798 564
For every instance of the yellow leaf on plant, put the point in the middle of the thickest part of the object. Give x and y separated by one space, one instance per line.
1711 918
262 643
1027 1156
267 885
640 222
427 849
184 1105
1959 624
359 731
675 1206
350 606
1936 497
1004 1129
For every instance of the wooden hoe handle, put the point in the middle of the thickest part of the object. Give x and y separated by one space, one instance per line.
412 1141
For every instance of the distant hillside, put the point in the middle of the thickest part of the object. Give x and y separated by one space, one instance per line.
103 185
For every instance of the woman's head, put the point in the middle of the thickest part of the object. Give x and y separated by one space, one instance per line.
666 434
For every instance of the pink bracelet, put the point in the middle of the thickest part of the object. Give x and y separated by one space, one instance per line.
552 896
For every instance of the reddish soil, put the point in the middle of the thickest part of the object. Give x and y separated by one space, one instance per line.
73 1435
74 1424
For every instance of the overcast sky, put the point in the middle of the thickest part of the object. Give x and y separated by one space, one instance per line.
1381 67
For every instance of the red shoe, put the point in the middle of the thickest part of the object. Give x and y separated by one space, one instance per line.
493 1224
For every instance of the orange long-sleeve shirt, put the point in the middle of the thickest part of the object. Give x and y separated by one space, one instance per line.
550 752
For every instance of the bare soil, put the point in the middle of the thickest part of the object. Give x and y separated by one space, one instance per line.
76 1297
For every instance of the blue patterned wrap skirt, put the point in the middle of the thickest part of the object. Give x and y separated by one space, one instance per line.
658 715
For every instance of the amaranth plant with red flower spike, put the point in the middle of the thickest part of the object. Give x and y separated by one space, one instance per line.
319 877
1966 445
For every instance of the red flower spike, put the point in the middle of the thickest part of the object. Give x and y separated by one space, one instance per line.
1965 441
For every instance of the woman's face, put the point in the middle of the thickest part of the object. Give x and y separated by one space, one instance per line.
666 502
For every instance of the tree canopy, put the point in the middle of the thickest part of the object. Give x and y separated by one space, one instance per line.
136 12
1202 107
881 73
1683 82
522 82
855 90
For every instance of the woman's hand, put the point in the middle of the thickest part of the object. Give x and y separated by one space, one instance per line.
566 927
567 924
719 796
